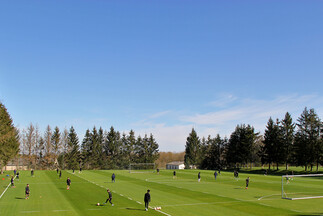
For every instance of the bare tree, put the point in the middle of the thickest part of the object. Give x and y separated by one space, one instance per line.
30 142
48 144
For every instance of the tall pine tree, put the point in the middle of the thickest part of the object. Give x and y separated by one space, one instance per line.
9 139
192 150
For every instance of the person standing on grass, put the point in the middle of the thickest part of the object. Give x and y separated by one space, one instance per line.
109 198
113 177
215 174
68 182
147 200
27 191
57 170
199 177
174 174
18 176
32 172
247 182
12 183
157 171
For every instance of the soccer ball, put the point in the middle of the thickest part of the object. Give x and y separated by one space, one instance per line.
98 204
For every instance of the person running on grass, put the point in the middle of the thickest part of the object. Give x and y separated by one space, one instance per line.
60 173
68 182
147 200
27 191
174 174
109 198
199 177
215 174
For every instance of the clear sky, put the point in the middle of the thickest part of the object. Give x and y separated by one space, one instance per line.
160 67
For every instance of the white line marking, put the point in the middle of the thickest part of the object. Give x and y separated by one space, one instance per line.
60 210
6 188
29 211
121 195
268 196
129 198
163 213
139 202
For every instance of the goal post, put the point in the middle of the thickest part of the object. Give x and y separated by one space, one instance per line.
295 187
142 167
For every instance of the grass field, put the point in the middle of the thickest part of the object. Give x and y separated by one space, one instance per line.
181 196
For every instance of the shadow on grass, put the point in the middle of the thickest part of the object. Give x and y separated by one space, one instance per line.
135 209
20 198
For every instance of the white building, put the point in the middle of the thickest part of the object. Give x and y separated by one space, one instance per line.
175 165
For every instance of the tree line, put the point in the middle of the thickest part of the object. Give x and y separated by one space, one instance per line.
284 142
98 150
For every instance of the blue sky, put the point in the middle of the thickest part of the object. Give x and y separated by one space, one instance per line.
160 67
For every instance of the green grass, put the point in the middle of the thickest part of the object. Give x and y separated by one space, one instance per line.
180 196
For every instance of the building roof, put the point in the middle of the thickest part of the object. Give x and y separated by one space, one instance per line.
176 163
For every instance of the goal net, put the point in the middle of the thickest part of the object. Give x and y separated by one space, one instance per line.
142 167
302 186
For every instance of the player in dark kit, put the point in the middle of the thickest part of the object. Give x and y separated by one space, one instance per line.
12 183
215 174
247 182
27 191
109 198
174 174
68 182
60 173
113 177
147 200
199 177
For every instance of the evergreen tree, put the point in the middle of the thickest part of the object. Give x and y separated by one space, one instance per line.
95 143
241 145
73 155
41 152
209 151
112 148
86 149
287 129
56 142
192 150
131 143
9 138
308 147
152 149
100 147
273 147
138 150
